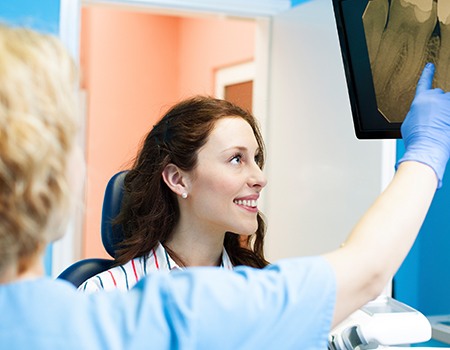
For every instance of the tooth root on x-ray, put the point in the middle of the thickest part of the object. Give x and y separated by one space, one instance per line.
401 55
374 20
442 66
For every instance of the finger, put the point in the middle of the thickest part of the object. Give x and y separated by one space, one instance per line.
426 79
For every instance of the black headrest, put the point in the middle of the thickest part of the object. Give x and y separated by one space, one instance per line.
112 202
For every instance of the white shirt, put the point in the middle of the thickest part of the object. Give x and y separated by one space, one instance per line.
124 277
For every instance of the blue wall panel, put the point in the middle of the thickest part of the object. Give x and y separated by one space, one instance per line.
423 280
42 15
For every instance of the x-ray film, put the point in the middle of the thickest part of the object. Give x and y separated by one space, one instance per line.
385 45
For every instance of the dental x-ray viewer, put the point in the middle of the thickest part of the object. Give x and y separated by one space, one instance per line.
291 304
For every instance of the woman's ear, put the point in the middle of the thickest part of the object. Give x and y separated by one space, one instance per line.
174 179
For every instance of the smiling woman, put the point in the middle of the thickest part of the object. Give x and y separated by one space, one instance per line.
191 195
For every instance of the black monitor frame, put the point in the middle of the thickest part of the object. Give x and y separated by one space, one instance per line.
368 122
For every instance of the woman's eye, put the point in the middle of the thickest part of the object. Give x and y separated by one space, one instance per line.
236 159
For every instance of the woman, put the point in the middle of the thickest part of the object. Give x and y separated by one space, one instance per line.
290 304
192 195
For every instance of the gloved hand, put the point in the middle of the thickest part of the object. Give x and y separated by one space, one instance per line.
426 129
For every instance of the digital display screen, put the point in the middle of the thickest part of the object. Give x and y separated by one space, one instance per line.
385 44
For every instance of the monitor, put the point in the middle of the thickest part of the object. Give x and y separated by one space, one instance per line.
385 44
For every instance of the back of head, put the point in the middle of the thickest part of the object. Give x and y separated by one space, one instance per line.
37 131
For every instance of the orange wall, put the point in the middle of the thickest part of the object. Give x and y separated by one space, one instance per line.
209 44
135 65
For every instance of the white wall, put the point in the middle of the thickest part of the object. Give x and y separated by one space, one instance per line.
321 178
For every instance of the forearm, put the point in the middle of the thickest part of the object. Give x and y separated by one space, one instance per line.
382 238
393 221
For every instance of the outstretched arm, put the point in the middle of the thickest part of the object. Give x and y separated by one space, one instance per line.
382 238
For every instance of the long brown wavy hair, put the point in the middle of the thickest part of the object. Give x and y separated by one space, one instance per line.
150 209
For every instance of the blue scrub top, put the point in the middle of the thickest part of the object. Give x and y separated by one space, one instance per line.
288 305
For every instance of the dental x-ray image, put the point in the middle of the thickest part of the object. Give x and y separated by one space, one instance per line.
385 45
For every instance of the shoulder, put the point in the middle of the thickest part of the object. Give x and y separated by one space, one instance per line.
301 293
124 277
114 278
76 321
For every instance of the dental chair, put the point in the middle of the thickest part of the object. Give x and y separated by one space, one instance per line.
384 323
80 271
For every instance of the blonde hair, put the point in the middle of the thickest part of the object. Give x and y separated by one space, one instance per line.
37 131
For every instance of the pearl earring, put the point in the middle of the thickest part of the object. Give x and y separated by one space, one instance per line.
184 195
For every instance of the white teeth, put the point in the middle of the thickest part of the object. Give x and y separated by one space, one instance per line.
247 203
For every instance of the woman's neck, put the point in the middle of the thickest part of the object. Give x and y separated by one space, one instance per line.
24 269
192 248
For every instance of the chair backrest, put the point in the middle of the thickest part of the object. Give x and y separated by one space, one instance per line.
80 271
112 202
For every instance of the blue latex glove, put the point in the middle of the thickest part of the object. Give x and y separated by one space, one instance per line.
426 129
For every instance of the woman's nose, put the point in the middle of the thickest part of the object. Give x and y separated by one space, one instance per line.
257 178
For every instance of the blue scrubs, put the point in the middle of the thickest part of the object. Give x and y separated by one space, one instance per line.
288 305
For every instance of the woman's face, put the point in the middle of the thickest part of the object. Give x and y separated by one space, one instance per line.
227 181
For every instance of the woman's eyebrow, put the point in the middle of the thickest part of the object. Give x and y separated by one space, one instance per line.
241 148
